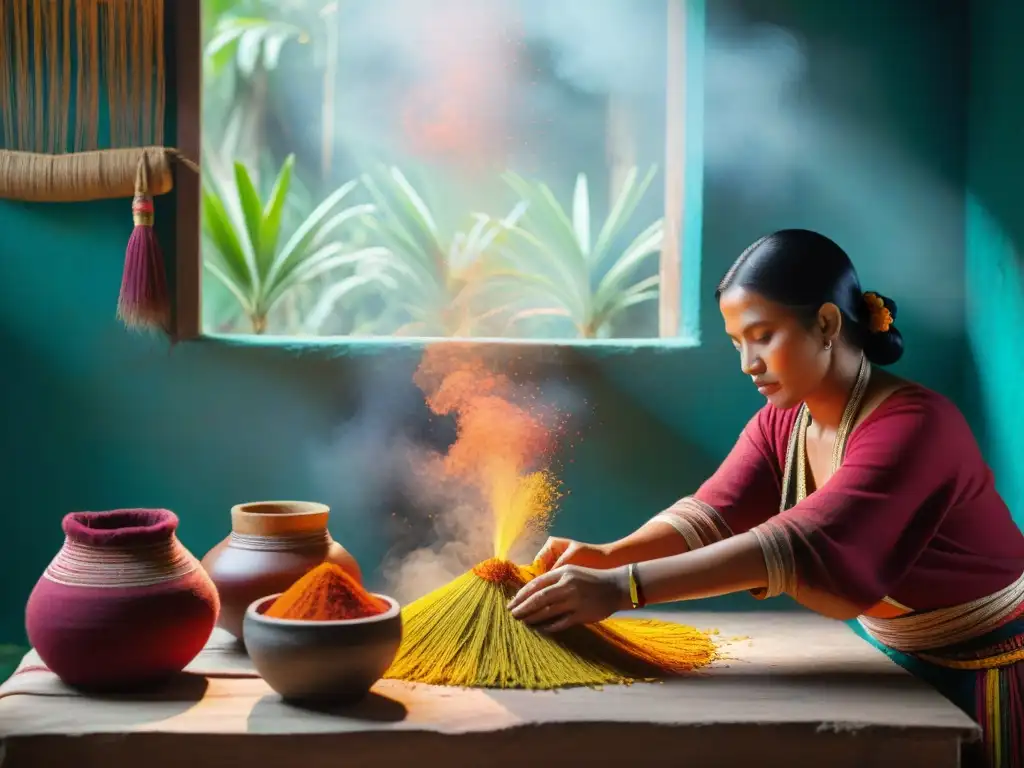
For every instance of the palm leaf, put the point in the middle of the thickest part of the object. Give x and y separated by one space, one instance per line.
251 46
581 214
326 260
486 232
536 256
360 211
417 209
228 282
622 210
294 250
526 314
549 242
343 289
416 278
225 239
275 43
270 218
549 219
407 227
646 244
640 292
252 216
413 232
244 234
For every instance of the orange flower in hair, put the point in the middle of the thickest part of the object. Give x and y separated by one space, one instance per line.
880 316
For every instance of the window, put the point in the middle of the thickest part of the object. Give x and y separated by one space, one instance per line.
452 168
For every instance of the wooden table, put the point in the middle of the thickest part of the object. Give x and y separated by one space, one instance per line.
798 690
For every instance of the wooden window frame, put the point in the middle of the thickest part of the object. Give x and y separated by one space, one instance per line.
185 19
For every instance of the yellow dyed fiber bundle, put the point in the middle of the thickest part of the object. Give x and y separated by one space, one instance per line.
463 635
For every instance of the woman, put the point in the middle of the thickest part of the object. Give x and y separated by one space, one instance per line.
857 493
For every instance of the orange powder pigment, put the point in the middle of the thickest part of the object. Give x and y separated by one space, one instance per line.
505 437
326 593
499 571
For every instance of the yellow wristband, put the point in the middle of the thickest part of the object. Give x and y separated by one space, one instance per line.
634 593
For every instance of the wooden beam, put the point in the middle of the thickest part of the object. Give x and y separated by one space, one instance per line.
670 267
186 47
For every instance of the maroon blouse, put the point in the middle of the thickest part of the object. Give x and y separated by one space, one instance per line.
911 514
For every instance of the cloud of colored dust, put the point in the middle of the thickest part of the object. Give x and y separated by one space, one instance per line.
504 438
492 489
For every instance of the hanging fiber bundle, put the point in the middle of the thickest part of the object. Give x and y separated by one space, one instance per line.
59 60
144 301
139 173
463 635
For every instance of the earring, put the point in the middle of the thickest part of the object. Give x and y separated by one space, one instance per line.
828 345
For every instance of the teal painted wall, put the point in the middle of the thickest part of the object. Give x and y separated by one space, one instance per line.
872 152
994 261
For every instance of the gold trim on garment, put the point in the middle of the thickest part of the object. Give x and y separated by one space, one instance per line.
773 537
778 559
947 626
698 523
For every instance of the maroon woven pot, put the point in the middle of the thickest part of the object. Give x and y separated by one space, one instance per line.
123 604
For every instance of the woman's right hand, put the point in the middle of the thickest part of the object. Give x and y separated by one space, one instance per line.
557 552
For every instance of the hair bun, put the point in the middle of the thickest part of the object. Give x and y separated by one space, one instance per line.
889 304
882 347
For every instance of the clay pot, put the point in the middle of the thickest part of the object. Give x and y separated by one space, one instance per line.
271 546
322 662
123 604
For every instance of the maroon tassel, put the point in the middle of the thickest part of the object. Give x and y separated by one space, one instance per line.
144 302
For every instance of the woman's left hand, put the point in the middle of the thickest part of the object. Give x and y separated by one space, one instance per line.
570 595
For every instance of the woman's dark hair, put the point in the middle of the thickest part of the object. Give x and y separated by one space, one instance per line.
802 270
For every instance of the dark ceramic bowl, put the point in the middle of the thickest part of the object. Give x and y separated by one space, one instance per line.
322 662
